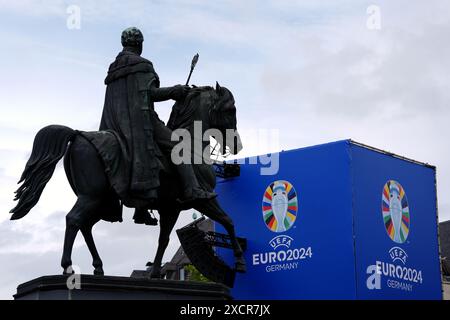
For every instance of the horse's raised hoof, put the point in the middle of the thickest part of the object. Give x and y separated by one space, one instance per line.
99 271
240 267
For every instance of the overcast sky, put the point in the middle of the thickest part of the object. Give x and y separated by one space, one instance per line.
313 71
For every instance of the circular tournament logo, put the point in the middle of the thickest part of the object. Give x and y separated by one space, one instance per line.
395 211
279 206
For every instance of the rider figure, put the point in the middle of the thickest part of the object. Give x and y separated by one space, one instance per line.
132 88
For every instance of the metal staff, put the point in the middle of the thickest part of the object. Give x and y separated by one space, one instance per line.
194 63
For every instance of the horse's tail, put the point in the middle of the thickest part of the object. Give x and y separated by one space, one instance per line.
50 145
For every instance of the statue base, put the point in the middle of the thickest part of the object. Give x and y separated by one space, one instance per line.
89 287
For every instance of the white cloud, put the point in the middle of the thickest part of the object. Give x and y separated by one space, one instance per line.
38 8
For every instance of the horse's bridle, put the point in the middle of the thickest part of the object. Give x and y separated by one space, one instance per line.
214 108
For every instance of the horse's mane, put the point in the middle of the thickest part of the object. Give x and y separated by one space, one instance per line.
182 112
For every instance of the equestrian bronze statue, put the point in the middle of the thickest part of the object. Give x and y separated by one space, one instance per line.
129 161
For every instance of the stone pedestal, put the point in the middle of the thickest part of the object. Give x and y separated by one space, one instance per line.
118 288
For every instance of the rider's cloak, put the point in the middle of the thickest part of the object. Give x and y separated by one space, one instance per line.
134 172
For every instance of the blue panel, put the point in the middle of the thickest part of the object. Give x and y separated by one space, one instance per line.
404 239
321 178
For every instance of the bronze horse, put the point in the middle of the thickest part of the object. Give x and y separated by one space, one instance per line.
213 108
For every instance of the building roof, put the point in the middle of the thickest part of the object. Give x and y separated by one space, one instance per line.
444 238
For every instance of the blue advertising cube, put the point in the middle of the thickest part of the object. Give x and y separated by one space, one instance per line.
335 221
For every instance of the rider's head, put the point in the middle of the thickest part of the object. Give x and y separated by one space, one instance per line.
132 39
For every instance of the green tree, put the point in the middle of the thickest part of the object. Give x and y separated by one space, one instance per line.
194 274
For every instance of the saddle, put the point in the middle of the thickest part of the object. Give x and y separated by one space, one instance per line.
110 148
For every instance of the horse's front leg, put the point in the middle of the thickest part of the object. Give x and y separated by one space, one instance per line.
240 265
213 210
168 217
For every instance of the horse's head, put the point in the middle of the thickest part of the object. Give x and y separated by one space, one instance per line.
223 118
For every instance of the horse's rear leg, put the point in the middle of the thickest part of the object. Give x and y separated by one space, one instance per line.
213 210
97 261
72 228
79 218
168 218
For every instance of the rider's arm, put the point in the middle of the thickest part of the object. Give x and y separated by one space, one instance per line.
177 92
161 94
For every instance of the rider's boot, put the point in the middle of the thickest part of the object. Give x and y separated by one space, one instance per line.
142 216
143 201
192 191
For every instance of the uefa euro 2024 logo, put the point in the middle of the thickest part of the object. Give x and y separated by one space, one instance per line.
279 206
396 219
395 211
279 209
